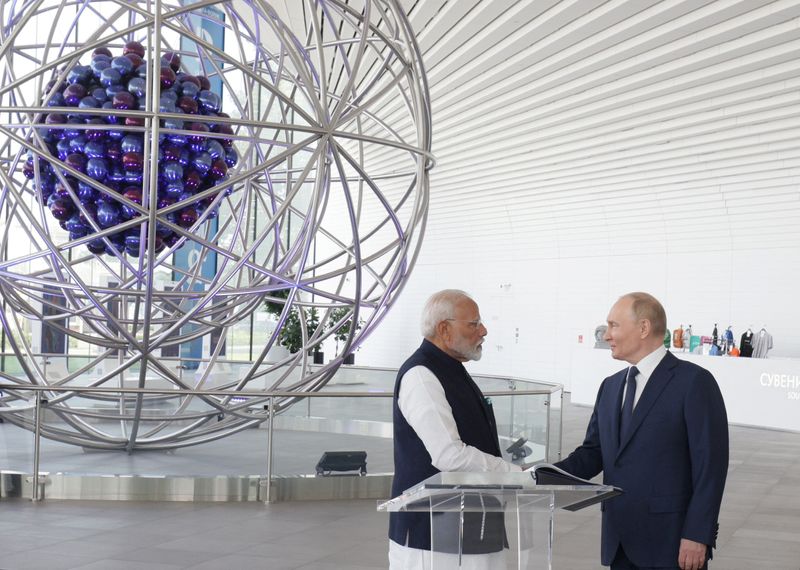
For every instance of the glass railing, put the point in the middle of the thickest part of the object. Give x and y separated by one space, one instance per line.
232 434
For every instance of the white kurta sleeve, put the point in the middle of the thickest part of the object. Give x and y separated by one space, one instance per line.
424 406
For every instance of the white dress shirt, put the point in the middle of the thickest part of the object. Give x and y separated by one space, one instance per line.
646 367
424 406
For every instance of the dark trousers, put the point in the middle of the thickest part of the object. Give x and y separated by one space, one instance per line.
621 562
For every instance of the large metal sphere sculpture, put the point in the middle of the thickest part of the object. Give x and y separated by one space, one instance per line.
170 168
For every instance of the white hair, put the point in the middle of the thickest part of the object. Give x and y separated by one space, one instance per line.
440 307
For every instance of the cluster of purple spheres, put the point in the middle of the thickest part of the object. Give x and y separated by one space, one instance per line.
109 148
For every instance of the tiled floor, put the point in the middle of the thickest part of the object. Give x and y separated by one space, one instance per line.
760 525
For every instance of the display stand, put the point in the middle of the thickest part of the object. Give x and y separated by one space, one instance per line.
473 515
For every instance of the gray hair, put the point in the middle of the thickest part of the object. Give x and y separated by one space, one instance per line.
440 307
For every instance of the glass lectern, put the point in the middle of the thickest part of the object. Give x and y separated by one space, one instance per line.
492 520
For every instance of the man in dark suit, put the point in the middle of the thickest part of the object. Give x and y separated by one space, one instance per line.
659 431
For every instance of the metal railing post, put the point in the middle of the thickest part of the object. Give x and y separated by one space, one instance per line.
270 427
560 424
512 386
37 436
547 431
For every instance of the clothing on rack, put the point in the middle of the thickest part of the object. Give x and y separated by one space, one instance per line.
762 343
746 344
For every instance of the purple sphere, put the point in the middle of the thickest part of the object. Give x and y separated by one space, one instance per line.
76 161
73 94
187 217
61 209
172 59
218 169
124 100
133 161
133 47
167 77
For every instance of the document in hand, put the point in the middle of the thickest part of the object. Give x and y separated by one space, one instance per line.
548 474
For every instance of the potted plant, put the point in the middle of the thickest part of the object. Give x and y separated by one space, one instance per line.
291 334
344 330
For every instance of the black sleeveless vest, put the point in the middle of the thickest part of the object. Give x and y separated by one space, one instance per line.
476 427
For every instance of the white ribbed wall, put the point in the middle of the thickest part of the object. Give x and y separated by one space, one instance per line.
589 148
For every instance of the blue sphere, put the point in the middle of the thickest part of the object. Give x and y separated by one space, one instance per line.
100 94
231 157
79 74
185 157
132 143
86 194
99 64
137 86
175 124
96 246
209 101
74 224
56 100
62 148
97 168
215 149
78 234
172 171
134 176
185 196
174 189
189 89
170 94
110 76
166 105
89 102
132 243
113 89
202 162
95 149
77 144
107 214
122 64
72 132
117 174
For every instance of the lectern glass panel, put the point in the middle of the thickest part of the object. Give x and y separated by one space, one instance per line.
492 520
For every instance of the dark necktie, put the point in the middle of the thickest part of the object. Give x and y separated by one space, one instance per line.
627 405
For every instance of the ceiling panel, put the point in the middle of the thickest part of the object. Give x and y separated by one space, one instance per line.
562 121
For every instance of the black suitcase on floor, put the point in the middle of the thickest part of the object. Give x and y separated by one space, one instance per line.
342 461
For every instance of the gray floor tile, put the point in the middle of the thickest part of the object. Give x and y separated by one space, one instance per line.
37 560
116 564
759 525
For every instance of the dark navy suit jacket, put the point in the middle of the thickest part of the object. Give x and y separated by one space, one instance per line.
671 465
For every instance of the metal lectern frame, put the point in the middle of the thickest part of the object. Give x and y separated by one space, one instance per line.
529 507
